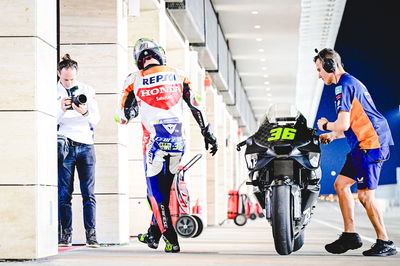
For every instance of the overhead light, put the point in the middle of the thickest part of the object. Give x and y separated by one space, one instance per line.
269 94
268 89
262 59
266 82
264 68
259 39
254 12
257 26
266 76
261 50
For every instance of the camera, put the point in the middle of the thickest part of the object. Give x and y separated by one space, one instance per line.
77 100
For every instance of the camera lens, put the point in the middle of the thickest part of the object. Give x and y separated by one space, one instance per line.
79 99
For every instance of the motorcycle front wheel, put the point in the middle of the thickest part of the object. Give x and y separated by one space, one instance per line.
298 241
281 219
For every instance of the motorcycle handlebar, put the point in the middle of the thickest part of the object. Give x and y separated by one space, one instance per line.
240 145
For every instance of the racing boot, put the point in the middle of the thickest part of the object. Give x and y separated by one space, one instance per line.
171 247
151 238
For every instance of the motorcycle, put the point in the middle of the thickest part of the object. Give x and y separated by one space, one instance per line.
283 159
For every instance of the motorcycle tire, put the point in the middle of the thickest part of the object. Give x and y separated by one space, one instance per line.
281 220
186 226
298 241
200 226
240 219
253 216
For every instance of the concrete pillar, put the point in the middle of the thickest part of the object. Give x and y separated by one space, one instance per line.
221 178
28 156
196 177
95 35
212 162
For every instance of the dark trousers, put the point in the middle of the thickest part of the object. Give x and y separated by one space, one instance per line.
83 158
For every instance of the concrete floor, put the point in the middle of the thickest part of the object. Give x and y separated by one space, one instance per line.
251 244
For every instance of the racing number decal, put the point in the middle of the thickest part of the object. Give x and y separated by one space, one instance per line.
282 133
289 133
275 133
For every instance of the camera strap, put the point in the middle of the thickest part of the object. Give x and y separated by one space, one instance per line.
71 92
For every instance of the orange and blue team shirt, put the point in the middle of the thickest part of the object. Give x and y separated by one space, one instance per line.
369 129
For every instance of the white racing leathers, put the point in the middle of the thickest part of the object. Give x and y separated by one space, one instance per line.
157 94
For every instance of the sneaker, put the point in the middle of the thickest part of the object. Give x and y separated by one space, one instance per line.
381 248
91 240
345 242
147 239
66 238
171 248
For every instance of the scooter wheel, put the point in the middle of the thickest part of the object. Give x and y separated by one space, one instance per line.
240 219
253 216
186 226
200 226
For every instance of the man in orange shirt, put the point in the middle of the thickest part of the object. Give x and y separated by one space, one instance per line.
368 135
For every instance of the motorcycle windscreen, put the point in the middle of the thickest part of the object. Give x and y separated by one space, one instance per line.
283 168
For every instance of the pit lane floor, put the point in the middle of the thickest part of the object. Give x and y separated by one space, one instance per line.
251 244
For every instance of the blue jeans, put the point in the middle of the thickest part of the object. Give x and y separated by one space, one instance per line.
83 158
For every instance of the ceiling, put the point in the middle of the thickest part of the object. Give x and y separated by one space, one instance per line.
272 43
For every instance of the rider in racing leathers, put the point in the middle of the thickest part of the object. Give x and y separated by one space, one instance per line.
157 92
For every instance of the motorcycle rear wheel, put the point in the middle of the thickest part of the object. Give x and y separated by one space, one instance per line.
281 219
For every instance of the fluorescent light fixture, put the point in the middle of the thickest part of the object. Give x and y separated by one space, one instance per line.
264 68
259 39
266 76
262 59
257 26
268 89
266 82
261 50
254 12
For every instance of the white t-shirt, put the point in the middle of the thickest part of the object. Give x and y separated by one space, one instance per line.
72 124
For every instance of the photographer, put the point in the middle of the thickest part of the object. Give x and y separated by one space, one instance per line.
76 117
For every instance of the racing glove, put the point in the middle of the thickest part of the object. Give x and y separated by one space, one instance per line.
209 139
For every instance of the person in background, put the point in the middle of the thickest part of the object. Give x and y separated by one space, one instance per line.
157 92
76 117
369 137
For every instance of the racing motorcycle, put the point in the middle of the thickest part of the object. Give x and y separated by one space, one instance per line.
283 159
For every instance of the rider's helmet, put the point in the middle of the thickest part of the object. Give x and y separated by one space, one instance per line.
145 47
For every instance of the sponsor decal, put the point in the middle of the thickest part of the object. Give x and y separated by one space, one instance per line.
159 78
170 128
162 96
163 215
168 120
338 90
360 179
338 104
